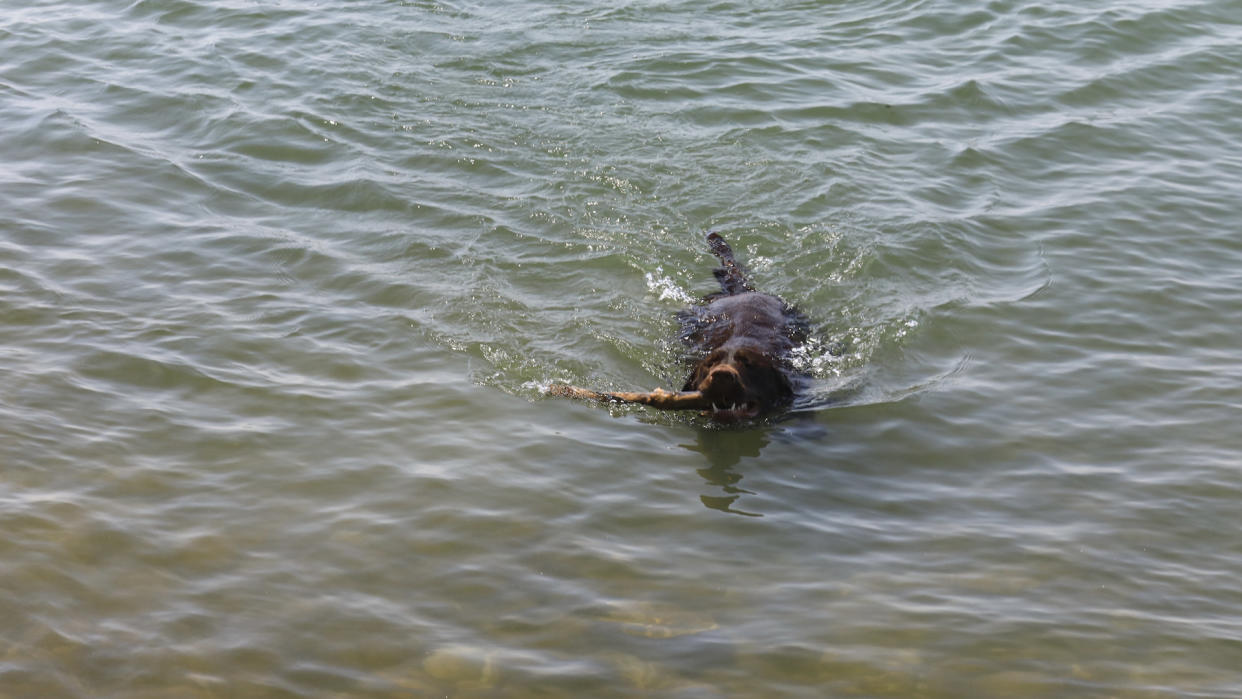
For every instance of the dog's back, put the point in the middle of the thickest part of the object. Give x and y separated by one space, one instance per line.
738 310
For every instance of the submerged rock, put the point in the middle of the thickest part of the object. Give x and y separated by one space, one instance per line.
654 620
466 667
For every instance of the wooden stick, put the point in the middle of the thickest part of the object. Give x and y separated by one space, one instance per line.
658 398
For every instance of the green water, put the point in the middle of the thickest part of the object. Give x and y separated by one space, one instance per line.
281 286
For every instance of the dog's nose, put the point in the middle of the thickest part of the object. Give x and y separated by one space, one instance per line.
722 379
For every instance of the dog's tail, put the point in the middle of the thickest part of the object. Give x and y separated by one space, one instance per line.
731 276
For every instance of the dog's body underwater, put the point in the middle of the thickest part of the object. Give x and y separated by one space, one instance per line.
739 342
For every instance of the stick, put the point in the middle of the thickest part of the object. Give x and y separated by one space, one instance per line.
659 398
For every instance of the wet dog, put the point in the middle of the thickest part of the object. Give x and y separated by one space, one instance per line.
739 342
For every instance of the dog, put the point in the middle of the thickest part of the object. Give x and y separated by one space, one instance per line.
739 342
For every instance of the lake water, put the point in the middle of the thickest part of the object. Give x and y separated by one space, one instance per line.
282 285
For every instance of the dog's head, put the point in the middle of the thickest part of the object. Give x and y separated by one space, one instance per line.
741 381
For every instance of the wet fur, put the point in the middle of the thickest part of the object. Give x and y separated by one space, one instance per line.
738 345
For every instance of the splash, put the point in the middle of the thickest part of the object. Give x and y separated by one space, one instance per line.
823 358
665 288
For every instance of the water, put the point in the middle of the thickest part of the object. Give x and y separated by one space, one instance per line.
281 285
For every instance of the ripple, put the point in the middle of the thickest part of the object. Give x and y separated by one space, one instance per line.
281 286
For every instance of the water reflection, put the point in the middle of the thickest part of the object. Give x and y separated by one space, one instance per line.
723 451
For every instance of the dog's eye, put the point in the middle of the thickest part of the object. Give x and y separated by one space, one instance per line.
743 360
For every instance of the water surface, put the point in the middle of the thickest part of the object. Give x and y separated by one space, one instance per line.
281 285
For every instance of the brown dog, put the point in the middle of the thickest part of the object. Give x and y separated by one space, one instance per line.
742 340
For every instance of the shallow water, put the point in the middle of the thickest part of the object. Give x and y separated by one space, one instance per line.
281 286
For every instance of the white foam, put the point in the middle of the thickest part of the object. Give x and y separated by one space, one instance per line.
816 357
665 288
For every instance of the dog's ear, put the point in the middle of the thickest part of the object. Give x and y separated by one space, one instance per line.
770 383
